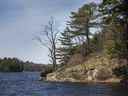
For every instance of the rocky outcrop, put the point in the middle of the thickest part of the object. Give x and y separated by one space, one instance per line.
44 73
97 68
91 75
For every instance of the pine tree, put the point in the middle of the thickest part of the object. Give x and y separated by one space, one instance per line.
80 25
65 51
116 14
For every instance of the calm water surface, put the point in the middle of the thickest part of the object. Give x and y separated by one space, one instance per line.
28 84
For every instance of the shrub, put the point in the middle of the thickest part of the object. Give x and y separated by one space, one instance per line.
121 71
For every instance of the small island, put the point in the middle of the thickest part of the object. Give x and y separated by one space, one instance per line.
93 47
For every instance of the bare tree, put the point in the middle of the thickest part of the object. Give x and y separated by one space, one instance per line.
48 38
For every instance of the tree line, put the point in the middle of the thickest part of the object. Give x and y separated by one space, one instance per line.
11 65
8 64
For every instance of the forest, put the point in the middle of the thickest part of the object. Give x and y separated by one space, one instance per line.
11 65
8 64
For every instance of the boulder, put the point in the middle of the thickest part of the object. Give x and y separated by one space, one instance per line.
98 74
90 75
102 74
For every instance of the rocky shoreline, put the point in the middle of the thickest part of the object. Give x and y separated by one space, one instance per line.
113 80
96 69
54 77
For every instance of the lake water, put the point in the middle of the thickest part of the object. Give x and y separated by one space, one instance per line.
28 84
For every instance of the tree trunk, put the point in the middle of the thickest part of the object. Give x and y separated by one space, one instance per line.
87 37
54 56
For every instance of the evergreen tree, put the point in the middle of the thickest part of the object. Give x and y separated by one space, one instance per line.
65 51
115 13
80 25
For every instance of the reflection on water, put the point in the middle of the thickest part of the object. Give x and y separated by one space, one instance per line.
27 84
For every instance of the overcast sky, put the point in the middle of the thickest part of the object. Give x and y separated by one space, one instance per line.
20 20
